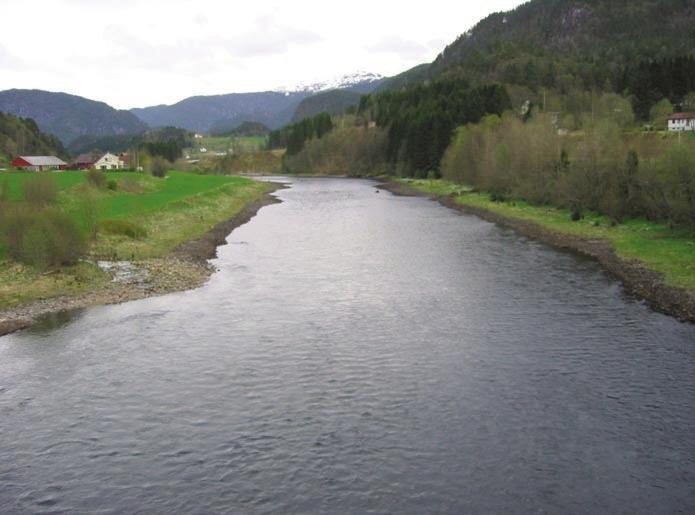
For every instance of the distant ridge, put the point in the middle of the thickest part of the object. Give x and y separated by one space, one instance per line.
69 116
271 108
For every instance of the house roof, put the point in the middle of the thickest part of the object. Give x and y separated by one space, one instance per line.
682 116
43 160
87 158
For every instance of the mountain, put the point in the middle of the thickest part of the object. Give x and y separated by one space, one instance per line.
414 75
569 43
358 82
202 113
334 101
68 116
271 108
334 97
21 136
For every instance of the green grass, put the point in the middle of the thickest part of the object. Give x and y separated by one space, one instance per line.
181 207
227 143
668 251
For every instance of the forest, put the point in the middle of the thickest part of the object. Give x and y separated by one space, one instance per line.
22 136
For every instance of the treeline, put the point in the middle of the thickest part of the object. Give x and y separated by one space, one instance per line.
171 136
169 150
351 149
294 136
601 170
649 82
22 136
420 121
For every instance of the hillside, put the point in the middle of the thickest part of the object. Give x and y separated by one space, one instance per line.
570 43
245 129
123 142
68 116
335 101
21 136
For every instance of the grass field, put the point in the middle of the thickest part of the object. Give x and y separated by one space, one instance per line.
231 144
173 210
659 247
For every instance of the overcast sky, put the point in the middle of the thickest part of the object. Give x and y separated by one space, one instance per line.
134 53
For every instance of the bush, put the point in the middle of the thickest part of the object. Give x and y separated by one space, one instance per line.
40 190
112 185
124 228
96 178
159 167
42 238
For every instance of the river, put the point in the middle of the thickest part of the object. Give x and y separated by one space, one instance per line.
357 352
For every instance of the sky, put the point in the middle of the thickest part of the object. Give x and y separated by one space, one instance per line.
136 53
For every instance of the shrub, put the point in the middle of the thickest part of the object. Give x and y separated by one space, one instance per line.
124 228
130 184
112 185
159 166
40 190
41 238
96 178
91 212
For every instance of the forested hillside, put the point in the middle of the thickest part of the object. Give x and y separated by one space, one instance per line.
548 42
21 136
68 116
335 101
181 138
640 48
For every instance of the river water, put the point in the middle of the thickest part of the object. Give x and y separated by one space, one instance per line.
357 352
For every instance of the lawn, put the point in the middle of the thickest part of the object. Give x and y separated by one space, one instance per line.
659 247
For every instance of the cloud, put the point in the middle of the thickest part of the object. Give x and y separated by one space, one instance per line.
9 61
401 47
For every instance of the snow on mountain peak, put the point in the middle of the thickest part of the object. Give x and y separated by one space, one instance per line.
343 82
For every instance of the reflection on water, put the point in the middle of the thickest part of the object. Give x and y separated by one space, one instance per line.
357 352
51 321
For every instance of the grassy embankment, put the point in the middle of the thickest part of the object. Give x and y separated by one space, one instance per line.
658 247
172 210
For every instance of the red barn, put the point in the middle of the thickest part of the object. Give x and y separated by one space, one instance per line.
39 163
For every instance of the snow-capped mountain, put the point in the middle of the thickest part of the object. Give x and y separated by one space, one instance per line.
360 81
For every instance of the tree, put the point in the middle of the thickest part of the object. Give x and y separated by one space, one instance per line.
660 112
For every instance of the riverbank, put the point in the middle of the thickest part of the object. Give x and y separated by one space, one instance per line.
175 260
652 264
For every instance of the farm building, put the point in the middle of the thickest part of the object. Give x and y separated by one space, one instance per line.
39 163
100 161
681 122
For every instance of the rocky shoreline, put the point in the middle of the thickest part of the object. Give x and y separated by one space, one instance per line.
186 268
637 280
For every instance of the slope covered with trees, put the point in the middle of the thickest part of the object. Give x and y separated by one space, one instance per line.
21 136
333 102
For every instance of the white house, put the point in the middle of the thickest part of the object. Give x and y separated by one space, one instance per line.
681 122
109 161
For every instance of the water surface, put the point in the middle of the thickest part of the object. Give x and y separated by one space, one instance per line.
357 352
